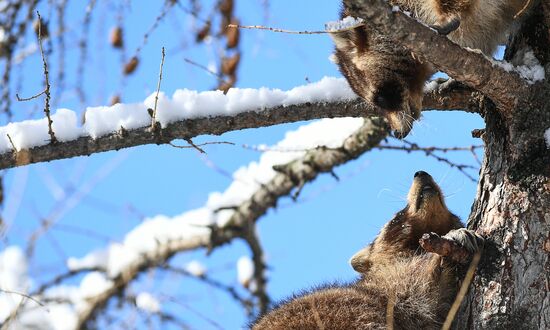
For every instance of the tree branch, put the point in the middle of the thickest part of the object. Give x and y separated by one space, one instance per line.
448 99
469 67
304 169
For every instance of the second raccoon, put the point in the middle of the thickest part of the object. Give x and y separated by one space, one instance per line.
418 286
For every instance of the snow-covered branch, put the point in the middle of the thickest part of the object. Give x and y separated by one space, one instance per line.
502 85
188 114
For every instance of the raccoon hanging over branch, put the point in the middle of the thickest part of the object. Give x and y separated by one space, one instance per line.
391 77
400 282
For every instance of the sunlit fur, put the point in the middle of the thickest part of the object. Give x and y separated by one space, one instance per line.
398 280
388 76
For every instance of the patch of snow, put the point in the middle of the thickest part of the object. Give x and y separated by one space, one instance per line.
245 270
547 137
530 68
184 104
195 268
431 86
395 9
145 301
346 23
32 133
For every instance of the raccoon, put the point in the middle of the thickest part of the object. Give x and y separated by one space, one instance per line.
400 283
393 78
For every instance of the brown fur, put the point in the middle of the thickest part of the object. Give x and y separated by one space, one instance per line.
399 283
391 77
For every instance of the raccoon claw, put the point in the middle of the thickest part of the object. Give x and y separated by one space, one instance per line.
447 28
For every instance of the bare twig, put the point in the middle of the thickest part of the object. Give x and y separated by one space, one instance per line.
230 290
462 292
217 75
154 116
53 139
260 291
260 27
195 146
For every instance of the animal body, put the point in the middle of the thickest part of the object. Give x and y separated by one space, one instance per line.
393 78
400 283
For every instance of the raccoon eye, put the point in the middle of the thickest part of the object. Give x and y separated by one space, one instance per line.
389 96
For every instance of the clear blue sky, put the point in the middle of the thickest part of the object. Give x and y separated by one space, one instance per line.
306 243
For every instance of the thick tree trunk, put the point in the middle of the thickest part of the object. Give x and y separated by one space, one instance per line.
512 209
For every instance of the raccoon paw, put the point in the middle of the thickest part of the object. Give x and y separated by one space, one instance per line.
467 239
457 245
447 28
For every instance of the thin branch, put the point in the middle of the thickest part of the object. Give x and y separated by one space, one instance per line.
200 66
53 139
213 283
260 291
154 116
260 27
453 99
469 67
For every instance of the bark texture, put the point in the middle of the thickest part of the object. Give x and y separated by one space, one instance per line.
512 207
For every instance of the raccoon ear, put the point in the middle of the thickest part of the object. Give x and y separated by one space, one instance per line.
360 261
348 40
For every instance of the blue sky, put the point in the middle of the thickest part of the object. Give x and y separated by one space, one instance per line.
306 243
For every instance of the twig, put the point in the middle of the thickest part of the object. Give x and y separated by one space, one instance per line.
212 282
53 139
253 242
154 116
260 27
462 292
12 144
24 99
24 295
195 146
522 10
217 75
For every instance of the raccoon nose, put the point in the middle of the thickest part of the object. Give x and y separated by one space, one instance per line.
421 173
388 96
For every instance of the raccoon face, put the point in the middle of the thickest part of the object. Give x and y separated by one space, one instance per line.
425 195
382 74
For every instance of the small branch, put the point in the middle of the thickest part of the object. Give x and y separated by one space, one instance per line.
24 99
253 242
154 116
196 146
200 66
260 27
213 283
53 139
24 295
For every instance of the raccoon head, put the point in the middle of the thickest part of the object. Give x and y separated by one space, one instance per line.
425 196
382 74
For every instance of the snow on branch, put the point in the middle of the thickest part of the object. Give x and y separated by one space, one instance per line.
188 114
226 215
502 85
